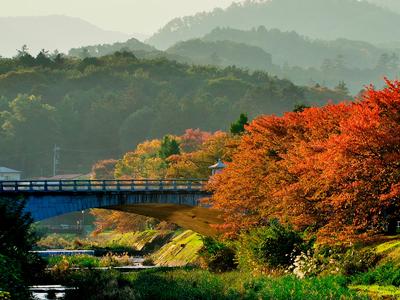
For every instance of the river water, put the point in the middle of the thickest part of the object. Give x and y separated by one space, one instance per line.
48 292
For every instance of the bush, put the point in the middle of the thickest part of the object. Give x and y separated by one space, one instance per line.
148 261
5 295
217 256
18 266
387 274
273 246
354 261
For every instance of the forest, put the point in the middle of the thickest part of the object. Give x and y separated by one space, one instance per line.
97 108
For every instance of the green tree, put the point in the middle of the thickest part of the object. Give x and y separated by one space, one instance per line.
239 126
43 59
22 126
25 58
342 88
17 264
300 107
169 146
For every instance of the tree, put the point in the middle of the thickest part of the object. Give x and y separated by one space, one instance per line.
333 170
17 264
104 169
121 221
300 107
43 59
169 146
239 126
342 88
25 121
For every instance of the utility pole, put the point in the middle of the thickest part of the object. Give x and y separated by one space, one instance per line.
56 156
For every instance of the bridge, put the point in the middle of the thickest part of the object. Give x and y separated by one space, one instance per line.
174 200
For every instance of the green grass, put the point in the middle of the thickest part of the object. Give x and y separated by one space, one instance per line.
165 284
386 274
75 261
182 250
378 291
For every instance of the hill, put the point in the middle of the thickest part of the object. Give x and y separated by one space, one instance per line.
393 5
51 32
296 50
131 45
328 19
99 108
222 53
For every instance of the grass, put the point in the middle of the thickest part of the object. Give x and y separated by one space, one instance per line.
87 261
385 274
182 250
165 284
391 251
378 291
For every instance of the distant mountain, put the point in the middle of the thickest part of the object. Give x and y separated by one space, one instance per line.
297 50
393 5
131 45
324 19
222 53
51 32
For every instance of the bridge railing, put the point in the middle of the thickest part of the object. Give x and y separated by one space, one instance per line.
102 185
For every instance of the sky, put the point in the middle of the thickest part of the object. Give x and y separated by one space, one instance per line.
129 16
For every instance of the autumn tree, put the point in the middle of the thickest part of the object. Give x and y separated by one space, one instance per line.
333 170
104 169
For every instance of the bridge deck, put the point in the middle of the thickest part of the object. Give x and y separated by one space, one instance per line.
43 186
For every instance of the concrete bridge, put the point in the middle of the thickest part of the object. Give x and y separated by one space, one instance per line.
174 200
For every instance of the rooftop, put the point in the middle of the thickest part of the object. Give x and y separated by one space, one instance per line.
8 170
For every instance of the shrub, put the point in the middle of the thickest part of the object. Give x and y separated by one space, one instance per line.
18 266
217 256
272 246
387 274
148 261
5 295
354 262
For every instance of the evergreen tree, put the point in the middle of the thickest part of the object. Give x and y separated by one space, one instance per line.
17 264
239 126
169 146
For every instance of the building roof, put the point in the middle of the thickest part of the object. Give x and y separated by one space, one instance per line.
8 170
218 165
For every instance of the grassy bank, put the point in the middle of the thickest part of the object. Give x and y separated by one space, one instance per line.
199 284
180 251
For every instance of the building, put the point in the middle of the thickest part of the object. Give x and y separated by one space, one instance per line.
217 168
9 174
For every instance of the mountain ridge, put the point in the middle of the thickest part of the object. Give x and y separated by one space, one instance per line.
51 32
329 19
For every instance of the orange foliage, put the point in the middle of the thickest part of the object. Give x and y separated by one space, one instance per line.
195 164
334 170
120 221
104 169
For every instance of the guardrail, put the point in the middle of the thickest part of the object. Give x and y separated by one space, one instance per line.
102 185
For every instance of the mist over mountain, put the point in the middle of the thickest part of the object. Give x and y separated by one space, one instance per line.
50 33
296 50
393 5
131 45
328 19
222 53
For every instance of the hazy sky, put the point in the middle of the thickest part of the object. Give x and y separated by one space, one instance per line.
142 16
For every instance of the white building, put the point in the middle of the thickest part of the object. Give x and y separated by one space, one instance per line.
9 174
